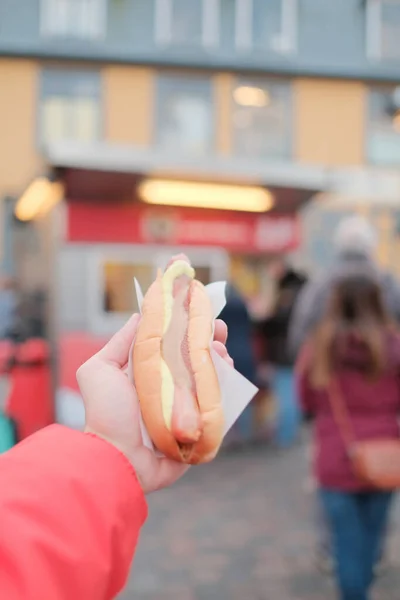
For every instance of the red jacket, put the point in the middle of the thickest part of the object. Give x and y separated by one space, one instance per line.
373 407
70 513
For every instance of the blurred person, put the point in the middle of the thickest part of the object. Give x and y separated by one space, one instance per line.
9 299
72 503
30 318
8 431
240 346
355 243
30 403
356 348
274 332
8 306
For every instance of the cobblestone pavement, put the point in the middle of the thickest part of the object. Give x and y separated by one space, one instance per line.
239 529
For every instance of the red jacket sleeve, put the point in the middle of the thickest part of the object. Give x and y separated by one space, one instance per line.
70 513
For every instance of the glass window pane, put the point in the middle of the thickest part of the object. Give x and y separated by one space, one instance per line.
119 292
267 19
185 115
60 17
70 105
383 135
54 120
187 21
85 119
262 118
72 18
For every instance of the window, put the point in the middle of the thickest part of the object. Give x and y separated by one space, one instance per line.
109 269
73 18
266 25
70 106
119 293
262 118
383 132
383 29
184 114
185 23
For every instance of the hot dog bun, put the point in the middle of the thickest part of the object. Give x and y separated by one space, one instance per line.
172 346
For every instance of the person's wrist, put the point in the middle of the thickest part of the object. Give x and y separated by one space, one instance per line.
120 447
128 455
110 441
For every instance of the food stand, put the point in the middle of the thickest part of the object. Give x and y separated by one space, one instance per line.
108 233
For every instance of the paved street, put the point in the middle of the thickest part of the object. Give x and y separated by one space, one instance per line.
239 529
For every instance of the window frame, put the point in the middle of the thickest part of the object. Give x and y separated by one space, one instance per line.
46 31
210 27
46 73
287 36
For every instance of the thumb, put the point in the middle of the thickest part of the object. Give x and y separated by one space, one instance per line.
116 351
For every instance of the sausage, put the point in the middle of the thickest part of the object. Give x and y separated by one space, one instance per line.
186 424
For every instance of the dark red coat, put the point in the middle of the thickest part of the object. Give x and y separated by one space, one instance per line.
373 406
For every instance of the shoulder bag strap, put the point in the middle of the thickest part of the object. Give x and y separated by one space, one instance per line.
341 415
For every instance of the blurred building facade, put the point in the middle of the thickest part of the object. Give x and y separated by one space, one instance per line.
299 97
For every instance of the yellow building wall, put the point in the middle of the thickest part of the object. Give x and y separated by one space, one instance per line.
329 121
19 159
128 95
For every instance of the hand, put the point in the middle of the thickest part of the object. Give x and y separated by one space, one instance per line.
112 406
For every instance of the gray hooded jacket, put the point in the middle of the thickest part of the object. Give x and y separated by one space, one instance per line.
313 298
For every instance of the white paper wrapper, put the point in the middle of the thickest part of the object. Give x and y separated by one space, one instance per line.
236 390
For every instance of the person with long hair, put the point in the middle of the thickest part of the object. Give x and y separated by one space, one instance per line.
356 350
354 247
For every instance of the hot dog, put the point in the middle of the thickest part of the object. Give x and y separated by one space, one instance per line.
173 371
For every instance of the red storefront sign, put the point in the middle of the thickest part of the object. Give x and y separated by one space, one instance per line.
137 224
